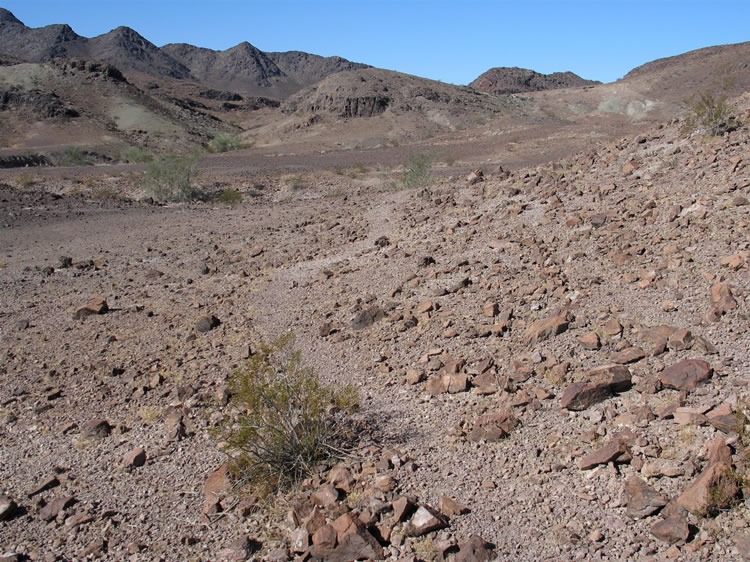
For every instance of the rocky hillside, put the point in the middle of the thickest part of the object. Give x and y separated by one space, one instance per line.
243 68
552 361
503 80
371 92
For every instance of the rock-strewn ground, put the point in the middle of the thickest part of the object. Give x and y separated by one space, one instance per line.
468 314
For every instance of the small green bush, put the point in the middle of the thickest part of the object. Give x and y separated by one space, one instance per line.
417 172
135 154
711 112
230 196
73 156
225 143
170 178
289 421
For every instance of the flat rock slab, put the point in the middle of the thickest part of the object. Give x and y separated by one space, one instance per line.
598 385
545 329
615 451
686 374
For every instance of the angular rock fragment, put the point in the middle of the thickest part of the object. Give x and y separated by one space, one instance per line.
60 503
628 355
614 451
641 499
598 385
476 549
450 507
686 374
425 520
8 508
672 530
207 323
97 305
722 300
545 329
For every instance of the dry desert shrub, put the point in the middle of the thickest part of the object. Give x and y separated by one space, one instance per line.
170 178
288 421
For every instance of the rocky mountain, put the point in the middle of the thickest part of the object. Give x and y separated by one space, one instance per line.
503 80
242 68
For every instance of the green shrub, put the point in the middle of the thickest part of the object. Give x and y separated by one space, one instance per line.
73 156
170 178
225 143
288 422
417 172
135 154
229 196
711 112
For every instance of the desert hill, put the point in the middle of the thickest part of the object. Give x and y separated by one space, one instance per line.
501 80
243 68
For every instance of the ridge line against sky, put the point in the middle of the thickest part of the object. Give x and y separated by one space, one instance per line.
452 41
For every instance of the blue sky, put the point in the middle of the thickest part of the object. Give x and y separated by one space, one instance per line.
453 41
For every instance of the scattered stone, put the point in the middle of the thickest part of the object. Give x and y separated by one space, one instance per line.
671 530
590 341
325 496
57 505
598 385
239 549
425 520
8 508
475 549
256 250
742 542
545 329
628 355
134 458
98 427
367 318
207 323
686 374
715 488
722 300
641 499
451 507
614 451
403 507
97 305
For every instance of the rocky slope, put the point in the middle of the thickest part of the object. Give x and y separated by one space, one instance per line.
552 359
515 80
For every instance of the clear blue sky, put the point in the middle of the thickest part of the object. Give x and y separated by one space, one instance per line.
449 40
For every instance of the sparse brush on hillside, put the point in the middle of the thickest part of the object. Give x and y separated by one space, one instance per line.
710 110
289 421
73 156
225 143
135 154
417 172
170 178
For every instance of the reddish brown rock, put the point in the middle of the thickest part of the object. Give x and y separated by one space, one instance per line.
476 549
324 540
713 489
590 341
614 451
686 374
134 458
403 507
97 305
342 478
641 499
672 530
628 355
680 340
450 507
325 496
722 300
598 385
545 329
98 427
60 503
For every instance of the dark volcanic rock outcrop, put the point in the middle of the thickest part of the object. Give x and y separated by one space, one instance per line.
503 80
